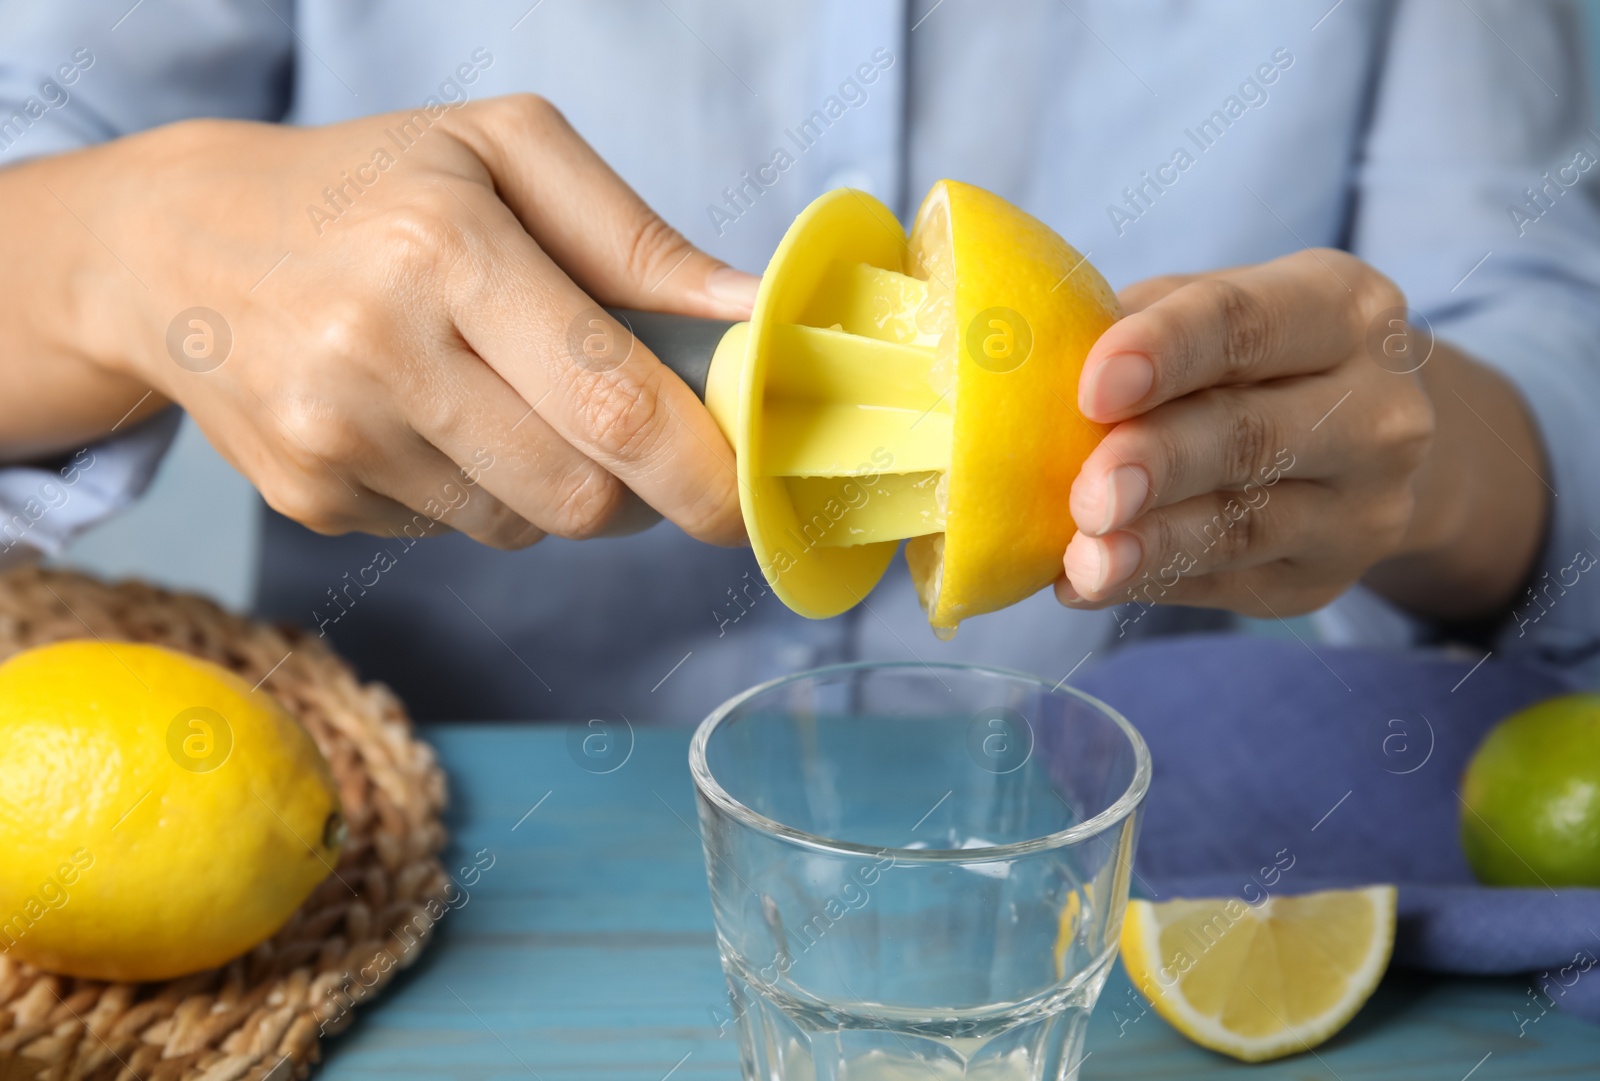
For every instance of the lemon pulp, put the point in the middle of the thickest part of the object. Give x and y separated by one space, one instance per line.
1260 981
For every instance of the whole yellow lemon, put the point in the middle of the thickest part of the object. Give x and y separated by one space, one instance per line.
157 815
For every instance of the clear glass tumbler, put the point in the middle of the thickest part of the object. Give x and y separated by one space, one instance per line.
916 868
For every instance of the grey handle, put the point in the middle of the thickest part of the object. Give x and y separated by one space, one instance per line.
683 343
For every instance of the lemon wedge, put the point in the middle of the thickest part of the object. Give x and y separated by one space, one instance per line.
1261 981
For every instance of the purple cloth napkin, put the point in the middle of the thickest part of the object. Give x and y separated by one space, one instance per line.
1284 768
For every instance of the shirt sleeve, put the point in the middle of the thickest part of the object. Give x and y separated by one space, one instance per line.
81 73
44 505
1477 194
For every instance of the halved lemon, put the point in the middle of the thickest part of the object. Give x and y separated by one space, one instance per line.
1260 981
1021 309
921 389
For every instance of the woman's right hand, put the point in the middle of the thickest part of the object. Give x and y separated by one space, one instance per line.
385 318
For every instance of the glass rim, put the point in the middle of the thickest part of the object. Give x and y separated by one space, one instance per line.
1119 809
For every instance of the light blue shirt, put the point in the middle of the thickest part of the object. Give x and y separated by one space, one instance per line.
1448 143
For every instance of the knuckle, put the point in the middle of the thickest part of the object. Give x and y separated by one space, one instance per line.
1374 292
297 500
422 232
506 530
1321 260
588 499
1417 422
653 247
318 440
348 334
624 420
1176 348
1233 530
1246 335
513 121
1403 428
1250 530
1250 438
531 112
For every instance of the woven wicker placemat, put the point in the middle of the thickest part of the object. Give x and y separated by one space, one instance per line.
261 1015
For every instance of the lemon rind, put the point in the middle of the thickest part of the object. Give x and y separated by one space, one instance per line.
1140 949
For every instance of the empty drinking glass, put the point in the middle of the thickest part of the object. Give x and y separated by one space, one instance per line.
916 868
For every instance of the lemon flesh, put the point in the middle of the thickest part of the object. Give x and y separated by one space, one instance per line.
158 815
1530 797
1259 982
889 387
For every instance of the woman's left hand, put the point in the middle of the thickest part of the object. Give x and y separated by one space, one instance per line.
1272 440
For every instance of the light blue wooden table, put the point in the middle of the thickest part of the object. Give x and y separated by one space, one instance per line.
585 950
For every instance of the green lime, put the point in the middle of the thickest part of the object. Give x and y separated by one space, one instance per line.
1531 797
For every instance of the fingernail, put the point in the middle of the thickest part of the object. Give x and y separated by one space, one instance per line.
1082 562
1099 506
1117 383
1096 564
733 287
1126 488
1065 593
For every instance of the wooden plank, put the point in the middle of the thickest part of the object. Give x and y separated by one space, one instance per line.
585 950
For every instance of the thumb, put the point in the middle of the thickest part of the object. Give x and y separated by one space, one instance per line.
589 221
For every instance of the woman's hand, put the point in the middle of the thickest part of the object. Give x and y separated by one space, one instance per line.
1280 432
370 319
